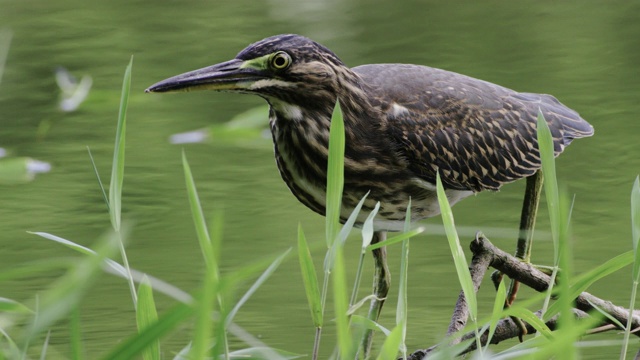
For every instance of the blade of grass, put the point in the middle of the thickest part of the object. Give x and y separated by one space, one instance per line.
335 184
10 348
398 238
146 315
198 218
584 281
496 314
167 322
566 338
32 268
367 236
309 278
567 319
117 170
605 314
348 225
635 237
531 318
204 324
203 333
545 146
391 344
366 323
117 176
66 292
460 261
256 285
335 175
116 269
367 227
5 43
75 335
45 346
635 225
345 341
448 352
259 353
402 307
12 306
95 170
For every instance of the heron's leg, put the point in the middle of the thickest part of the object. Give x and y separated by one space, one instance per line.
525 237
381 283
528 216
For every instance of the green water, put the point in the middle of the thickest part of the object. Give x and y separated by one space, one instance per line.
585 53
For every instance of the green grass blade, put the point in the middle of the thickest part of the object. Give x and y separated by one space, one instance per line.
391 344
262 353
167 322
531 319
146 315
5 42
402 307
117 170
366 323
256 285
566 338
10 348
567 318
45 347
203 332
341 305
496 314
584 281
115 268
462 268
310 279
198 217
117 175
367 236
14 307
95 171
635 236
367 227
183 354
635 226
547 157
66 292
75 335
545 145
348 225
447 352
34 267
396 239
202 337
335 175
606 315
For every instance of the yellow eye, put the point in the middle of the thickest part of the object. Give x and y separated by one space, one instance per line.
280 60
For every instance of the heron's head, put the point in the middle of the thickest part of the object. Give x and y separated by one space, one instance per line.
289 69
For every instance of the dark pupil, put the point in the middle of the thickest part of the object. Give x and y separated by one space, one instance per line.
280 61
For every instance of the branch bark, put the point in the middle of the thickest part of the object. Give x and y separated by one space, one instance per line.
486 255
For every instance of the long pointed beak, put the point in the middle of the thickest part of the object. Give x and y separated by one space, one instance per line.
229 75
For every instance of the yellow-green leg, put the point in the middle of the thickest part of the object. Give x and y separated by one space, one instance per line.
525 237
381 284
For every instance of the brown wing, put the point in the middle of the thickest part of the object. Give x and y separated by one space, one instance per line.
479 135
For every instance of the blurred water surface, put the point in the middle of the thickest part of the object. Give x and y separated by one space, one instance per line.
586 53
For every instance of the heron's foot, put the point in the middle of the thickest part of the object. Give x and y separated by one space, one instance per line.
497 277
545 268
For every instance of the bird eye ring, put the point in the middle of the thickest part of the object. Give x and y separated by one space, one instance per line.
280 60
